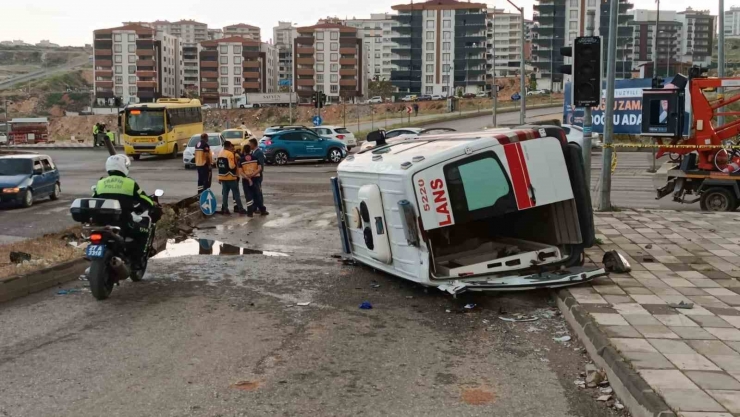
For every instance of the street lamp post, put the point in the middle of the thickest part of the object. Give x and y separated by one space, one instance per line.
494 86
522 75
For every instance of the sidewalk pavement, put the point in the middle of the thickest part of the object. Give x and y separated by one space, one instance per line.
689 357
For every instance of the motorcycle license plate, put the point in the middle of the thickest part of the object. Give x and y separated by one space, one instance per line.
95 251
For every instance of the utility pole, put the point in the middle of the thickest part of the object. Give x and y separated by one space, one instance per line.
611 67
587 127
522 75
494 86
721 56
292 78
657 33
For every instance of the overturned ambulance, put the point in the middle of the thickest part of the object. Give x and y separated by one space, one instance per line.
497 210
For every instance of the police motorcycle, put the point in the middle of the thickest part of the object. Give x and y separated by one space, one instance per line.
110 251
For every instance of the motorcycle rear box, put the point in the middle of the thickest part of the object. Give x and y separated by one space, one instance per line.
96 210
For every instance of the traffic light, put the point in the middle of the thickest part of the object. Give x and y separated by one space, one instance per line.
587 71
657 82
566 51
318 99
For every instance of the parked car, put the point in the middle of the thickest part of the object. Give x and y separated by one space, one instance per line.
395 134
535 92
3 139
437 97
409 97
28 178
339 133
206 107
469 95
575 135
274 129
239 137
215 141
295 144
425 97
483 94
375 100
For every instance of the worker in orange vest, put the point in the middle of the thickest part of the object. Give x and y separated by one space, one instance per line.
229 179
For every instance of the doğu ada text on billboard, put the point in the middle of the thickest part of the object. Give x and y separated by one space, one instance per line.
627 107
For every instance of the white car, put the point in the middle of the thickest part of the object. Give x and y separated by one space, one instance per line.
215 141
482 94
408 98
338 133
535 92
394 135
375 100
437 97
3 139
575 135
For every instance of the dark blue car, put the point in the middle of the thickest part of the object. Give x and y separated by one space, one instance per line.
294 144
28 178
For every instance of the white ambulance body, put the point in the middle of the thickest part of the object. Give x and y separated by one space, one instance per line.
495 210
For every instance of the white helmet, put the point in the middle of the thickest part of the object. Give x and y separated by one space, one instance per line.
119 163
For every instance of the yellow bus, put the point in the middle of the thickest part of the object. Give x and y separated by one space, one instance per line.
161 128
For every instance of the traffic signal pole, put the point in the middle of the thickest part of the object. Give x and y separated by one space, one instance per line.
611 67
587 127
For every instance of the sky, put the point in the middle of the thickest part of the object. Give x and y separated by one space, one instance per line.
71 22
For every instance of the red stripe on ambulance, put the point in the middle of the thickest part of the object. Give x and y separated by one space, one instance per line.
519 175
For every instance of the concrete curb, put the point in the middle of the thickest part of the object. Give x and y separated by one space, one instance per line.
629 386
23 285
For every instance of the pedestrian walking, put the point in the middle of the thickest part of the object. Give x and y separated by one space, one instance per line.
96 130
416 109
203 163
229 179
259 176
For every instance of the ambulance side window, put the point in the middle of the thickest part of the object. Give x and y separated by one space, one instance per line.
479 188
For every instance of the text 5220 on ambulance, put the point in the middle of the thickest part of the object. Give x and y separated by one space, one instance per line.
495 210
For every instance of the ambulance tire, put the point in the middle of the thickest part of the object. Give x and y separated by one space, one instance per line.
581 193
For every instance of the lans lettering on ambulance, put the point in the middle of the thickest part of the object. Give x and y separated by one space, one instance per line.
438 199
505 209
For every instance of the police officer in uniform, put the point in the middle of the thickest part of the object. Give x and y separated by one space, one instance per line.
229 179
111 137
118 186
203 163
96 130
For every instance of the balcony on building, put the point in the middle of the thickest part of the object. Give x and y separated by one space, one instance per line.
146 83
348 51
104 36
348 82
303 39
104 93
144 52
251 86
144 43
208 65
211 84
251 75
146 93
103 82
304 91
347 71
305 50
347 60
250 64
305 81
305 71
146 74
305 61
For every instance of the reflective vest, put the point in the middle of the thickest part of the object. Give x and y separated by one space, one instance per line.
226 166
95 129
202 154
111 136
123 189
249 165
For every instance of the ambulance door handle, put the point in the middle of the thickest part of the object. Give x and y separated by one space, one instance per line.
532 194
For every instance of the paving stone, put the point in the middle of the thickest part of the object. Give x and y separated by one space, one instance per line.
734 345
692 333
666 291
638 290
656 331
713 380
690 400
630 308
675 320
720 292
645 360
587 297
691 291
724 334
609 319
641 320
642 274
647 299
691 275
632 345
611 290
691 362
729 399
671 346
704 283
730 300
678 282
675 267
711 347
660 380
626 282
703 414
733 320
621 331
653 267
697 310
711 321
730 363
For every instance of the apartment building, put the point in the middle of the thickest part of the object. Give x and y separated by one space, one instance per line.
189 31
191 69
558 22
376 33
244 31
441 47
329 58
231 67
732 22
683 37
137 64
271 57
283 35
215 34
504 47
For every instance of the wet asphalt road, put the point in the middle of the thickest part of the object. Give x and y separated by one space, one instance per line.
222 335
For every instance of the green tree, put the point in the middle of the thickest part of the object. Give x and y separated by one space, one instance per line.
381 88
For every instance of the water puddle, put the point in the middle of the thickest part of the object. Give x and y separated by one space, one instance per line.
190 247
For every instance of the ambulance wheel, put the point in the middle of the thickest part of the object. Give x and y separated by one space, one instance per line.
136 157
718 199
